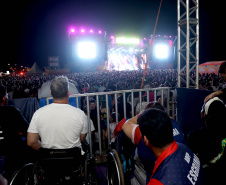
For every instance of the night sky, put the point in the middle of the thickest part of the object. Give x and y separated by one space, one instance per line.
34 30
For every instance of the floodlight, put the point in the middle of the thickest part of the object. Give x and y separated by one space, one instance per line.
161 51
123 40
86 50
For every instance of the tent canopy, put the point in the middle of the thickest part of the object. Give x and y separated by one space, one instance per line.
44 91
210 67
35 70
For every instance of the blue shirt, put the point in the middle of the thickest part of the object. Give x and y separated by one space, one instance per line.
177 165
145 156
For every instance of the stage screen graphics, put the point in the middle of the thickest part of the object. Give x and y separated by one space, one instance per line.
125 58
125 53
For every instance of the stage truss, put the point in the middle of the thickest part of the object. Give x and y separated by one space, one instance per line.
188 42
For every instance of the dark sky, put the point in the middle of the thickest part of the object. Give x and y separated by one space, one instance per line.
34 30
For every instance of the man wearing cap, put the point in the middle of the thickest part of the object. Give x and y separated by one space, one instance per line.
222 92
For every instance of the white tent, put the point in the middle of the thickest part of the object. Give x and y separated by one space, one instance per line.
44 91
35 70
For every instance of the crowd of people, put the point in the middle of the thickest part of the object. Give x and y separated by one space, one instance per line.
158 142
27 86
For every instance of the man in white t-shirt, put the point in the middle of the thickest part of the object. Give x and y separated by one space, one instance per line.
59 125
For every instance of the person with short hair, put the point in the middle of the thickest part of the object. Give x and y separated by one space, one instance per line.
222 92
59 125
175 162
143 157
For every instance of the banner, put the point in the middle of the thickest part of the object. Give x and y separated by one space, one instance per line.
53 62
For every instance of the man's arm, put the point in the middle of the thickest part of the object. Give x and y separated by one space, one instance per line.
82 137
128 127
212 95
3 181
33 140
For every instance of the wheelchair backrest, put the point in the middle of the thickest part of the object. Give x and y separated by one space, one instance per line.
55 159
74 153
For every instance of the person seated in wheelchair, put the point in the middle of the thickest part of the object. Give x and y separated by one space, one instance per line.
142 157
58 125
209 142
170 156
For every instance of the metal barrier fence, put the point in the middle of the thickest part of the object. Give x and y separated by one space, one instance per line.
158 92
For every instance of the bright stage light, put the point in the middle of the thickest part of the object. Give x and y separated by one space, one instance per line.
123 40
161 51
86 50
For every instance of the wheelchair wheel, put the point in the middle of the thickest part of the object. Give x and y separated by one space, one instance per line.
41 176
22 176
115 174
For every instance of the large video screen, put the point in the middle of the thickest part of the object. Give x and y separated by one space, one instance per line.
124 58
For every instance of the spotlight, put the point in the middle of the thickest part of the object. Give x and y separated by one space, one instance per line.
161 51
86 50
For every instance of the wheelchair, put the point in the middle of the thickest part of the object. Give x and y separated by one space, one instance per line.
57 166
68 166
114 169
119 161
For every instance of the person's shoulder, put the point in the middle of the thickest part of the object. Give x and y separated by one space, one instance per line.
45 108
74 109
183 150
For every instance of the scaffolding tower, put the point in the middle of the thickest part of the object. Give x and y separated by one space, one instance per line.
188 43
